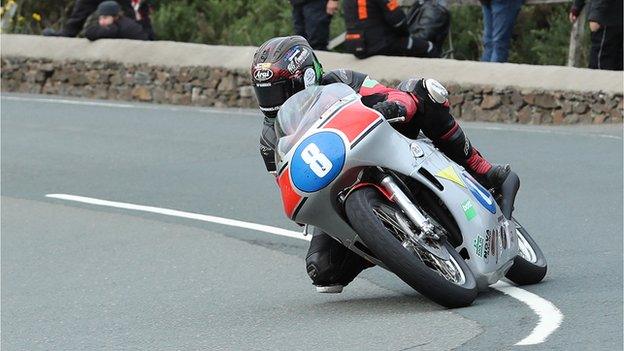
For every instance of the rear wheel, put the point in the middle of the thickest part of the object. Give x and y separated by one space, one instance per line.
530 265
432 267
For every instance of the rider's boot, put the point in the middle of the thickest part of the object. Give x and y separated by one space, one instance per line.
458 147
330 265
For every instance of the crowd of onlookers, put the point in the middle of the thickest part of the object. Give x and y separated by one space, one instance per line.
380 27
374 27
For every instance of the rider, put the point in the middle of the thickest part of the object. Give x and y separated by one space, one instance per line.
286 65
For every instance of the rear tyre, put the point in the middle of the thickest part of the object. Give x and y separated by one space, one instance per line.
449 283
530 265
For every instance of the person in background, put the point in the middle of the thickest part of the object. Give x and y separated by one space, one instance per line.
140 10
499 18
311 19
112 24
605 24
379 27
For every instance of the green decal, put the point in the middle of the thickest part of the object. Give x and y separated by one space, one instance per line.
479 244
369 83
469 210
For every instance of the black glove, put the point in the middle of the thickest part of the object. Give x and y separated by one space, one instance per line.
390 109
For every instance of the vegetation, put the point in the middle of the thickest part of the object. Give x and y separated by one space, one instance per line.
541 35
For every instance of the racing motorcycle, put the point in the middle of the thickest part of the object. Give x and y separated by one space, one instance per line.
398 202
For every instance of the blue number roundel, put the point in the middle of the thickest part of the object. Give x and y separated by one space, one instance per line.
317 161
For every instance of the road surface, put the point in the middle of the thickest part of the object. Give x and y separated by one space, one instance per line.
77 276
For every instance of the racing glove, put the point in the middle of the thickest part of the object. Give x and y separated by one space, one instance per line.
390 109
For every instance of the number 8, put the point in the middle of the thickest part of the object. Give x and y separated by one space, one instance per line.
318 162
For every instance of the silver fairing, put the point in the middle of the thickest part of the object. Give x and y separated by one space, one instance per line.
488 238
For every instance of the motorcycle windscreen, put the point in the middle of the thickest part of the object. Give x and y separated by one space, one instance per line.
302 110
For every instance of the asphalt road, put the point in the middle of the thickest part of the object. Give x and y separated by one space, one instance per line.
78 277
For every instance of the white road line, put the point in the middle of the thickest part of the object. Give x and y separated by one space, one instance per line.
182 214
134 106
541 131
550 317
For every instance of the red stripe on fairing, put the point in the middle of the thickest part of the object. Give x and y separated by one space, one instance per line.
290 199
353 123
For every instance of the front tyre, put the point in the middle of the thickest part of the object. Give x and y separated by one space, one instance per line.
381 226
530 265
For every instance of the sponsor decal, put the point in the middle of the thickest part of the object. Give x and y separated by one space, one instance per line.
496 240
481 248
480 193
263 75
491 237
263 65
317 161
295 57
469 210
449 173
309 77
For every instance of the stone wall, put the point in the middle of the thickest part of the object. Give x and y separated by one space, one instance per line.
109 80
220 87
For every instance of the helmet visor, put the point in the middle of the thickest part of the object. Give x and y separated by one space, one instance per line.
271 96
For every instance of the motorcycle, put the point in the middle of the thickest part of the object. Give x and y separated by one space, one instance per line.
397 202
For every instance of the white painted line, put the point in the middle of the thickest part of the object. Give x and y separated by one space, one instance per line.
541 131
183 214
70 102
134 106
549 315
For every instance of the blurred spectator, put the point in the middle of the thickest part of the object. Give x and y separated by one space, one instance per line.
605 24
140 10
311 19
379 27
112 24
499 17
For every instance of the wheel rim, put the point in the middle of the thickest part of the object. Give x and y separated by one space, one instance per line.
447 269
524 248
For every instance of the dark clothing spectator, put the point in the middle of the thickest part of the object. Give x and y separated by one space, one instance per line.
605 24
142 11
112 24
311 21
499 18
84 8
122 28
379 27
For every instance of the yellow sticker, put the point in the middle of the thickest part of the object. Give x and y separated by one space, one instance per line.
449 174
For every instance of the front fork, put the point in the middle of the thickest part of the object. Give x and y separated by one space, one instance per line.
411 211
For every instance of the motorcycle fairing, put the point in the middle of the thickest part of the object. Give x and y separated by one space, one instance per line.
370 141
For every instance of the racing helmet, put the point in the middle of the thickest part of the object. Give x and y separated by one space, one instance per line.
282 67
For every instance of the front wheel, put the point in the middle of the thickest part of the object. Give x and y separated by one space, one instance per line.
530 265
443 277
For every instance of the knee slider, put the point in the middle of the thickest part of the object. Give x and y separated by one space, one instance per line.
320 269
